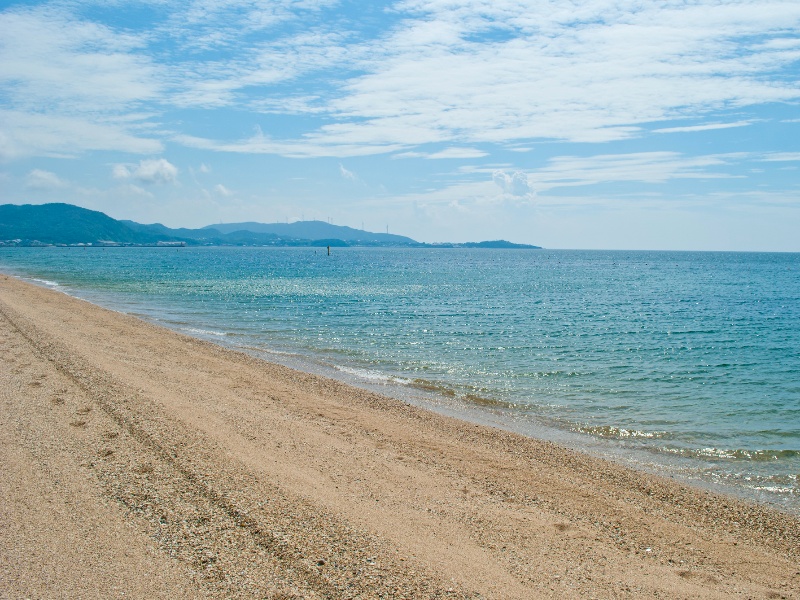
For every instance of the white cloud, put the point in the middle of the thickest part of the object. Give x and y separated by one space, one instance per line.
38 179
153 171
24 134
136 191
451 152
120 172
647 167
156 171
70 85
464 72
458 153
260 144
561 74
349 175
515 184
48 58
642 167
456 73
409 155
223 191
707 127
782 157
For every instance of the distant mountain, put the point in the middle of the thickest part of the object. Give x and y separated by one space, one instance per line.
206 236
64 224
30 225
317 230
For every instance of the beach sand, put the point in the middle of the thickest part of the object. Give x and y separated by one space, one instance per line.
140 463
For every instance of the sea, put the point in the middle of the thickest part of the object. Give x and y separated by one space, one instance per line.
685 364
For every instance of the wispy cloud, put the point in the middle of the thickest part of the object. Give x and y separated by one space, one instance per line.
51 60
646 167
261 144
349 175
153 171
458 153
223 191
70 86
707 127
27 134
574 171
591 75
443 72
38 179
782 157
515 183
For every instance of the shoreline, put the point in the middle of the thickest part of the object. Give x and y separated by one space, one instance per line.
694 470
665 403
230 476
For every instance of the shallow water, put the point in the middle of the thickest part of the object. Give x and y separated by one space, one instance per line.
682 361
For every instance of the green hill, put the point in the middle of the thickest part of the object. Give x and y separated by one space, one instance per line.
64 224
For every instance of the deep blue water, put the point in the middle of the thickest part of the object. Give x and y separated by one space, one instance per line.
684 361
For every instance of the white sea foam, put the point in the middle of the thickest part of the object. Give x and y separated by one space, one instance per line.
46 282
204 331
374 376
775 489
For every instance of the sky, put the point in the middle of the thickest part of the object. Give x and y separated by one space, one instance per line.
608 124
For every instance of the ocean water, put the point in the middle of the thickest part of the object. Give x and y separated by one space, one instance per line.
683 363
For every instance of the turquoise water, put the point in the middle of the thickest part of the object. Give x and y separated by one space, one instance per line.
686 363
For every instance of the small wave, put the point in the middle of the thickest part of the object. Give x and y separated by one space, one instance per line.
269 351
609 431
46 282
742 454
374 376
735 454
205 332
775 489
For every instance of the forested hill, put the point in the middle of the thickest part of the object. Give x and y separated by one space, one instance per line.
64 224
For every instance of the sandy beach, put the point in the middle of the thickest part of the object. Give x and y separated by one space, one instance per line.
141 463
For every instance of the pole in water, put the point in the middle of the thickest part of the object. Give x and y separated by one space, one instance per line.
329 250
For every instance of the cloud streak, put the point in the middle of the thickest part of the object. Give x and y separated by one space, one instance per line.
151 171
707 127
515 184
44 180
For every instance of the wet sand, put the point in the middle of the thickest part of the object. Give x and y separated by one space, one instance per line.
141 463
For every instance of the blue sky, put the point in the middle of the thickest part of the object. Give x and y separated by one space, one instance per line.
567 124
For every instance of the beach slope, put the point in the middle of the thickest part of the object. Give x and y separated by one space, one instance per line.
141 463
